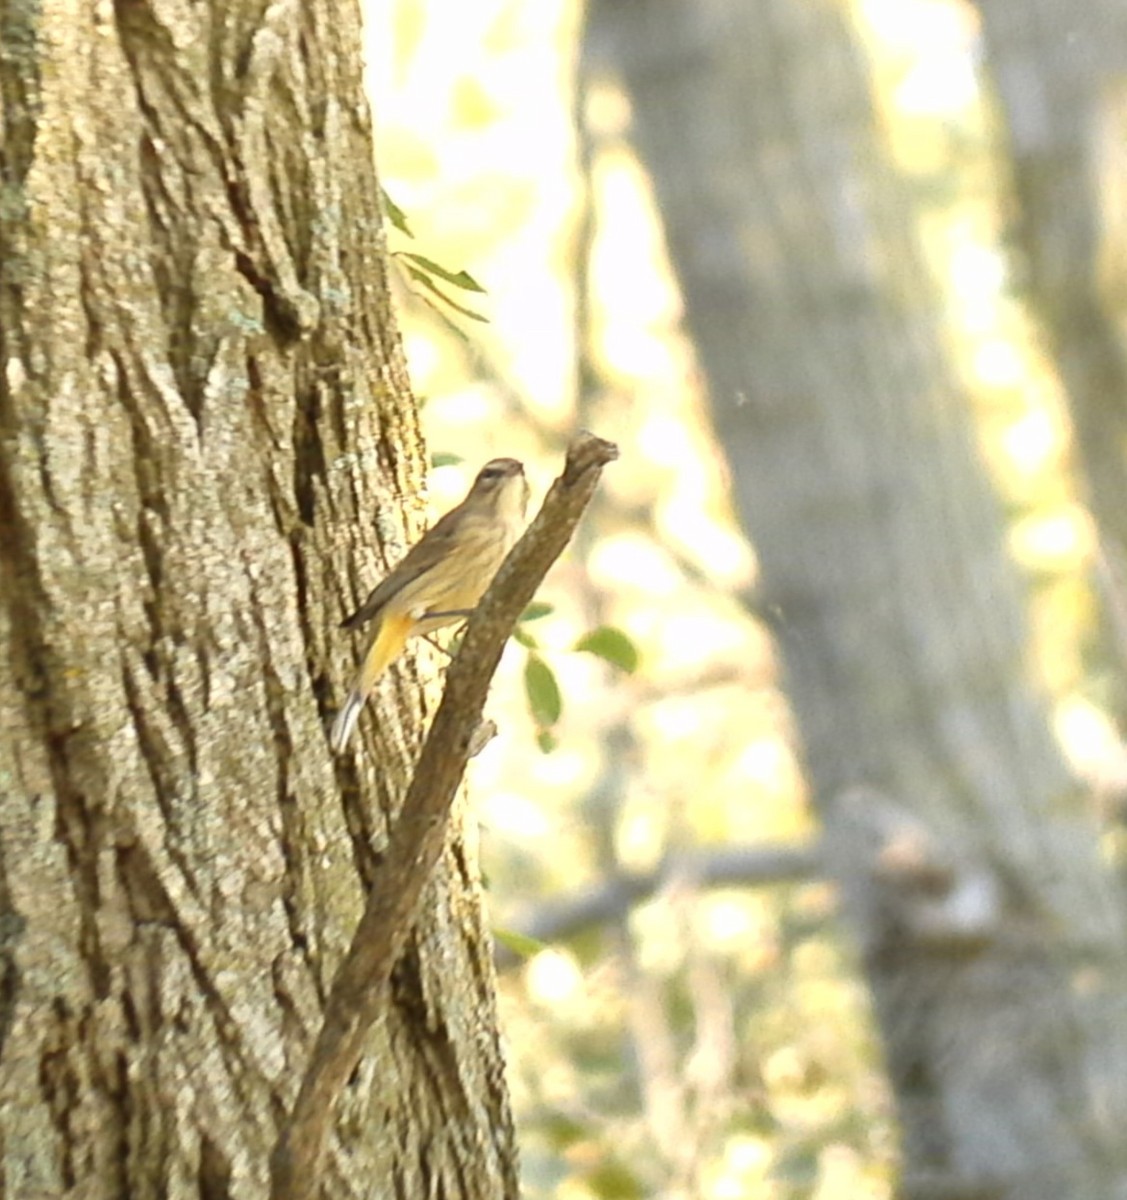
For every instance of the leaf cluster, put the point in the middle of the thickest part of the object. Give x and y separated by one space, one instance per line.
429 274
541 687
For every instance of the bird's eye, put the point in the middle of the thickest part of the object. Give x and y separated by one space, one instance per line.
491 473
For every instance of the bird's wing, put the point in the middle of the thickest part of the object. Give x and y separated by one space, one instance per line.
432 547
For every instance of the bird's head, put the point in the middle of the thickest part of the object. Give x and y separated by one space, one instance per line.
502 483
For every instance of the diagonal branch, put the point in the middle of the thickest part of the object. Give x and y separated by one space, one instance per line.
419 833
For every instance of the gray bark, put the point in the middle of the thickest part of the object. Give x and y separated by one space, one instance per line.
206 432
991 935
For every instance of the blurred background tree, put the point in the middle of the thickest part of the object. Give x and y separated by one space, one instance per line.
1058 75
807 211
951 824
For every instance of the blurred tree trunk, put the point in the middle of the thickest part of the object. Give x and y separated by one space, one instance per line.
205 428
1060 71
968 860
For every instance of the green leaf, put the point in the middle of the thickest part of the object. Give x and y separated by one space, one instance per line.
449 325
525 639
547 741
443 458
612 645
395 214
536 610
427 282
461 279
519 944
544 699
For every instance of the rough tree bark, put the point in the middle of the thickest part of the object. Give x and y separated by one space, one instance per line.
206 431
991 935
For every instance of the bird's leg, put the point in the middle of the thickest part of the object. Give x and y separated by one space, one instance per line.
443 616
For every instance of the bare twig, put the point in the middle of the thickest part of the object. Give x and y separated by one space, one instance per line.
419 833
608 900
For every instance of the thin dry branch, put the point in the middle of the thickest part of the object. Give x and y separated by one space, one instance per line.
612 899
359 991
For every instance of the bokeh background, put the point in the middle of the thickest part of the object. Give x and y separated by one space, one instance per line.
691 1019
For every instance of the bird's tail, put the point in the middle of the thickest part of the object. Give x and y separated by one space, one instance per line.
345 721
386 647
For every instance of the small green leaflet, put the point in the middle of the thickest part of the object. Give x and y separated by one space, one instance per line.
544 700
461 279
612 645
519 944
395 214
533 612
525 639
443 458
420 276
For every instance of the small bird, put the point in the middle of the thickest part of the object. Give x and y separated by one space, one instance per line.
440 580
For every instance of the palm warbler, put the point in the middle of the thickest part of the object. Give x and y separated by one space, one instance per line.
440 580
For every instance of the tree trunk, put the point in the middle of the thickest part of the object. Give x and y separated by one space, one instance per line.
990 934
1059 70
205 431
